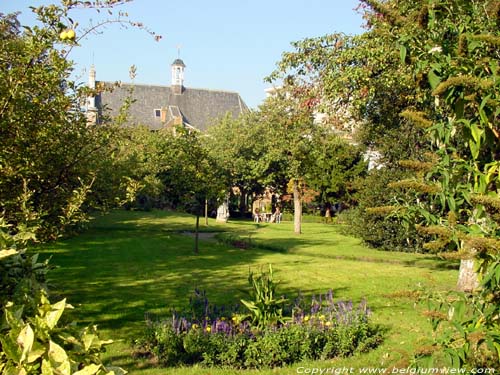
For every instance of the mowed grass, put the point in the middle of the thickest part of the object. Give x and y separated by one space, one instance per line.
128 264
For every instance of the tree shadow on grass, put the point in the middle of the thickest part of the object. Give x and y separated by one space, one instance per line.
132 263
117 271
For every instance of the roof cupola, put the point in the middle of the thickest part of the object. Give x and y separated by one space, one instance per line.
178 76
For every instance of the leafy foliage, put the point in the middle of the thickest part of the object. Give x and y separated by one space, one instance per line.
240 148
36 345
189 174
337 165
265 307
467 327
32 340
451 45
424 77
54 165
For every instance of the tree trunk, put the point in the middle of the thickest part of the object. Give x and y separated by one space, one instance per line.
243 203
297 208
196 232
206 212
467 276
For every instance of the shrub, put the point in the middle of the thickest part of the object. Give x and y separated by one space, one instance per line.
36 345
380 231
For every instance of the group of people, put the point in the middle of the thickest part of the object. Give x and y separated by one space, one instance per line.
275 217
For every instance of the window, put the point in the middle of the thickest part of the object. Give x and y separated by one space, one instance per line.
158 113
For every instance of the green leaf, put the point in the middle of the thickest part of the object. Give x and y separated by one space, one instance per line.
497 346
13 317
451 203
474 149
11 348
402 53
59 359
476 133
88 370
47 368
36 352
55 313
434 79
25 340
8 253
88 340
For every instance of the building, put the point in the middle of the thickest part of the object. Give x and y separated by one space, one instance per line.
159 106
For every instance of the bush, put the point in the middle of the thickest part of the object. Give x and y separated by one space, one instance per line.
380 231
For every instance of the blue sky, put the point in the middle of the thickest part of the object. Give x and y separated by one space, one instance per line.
226 44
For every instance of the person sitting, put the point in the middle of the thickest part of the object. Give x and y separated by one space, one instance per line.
277 215
256 216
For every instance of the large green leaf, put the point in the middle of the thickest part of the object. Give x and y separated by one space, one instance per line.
476 133
402 53
55 313
89 370
11 348
59 359
88 340
8 253
25 340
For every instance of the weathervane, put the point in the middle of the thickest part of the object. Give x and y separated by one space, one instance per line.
179 46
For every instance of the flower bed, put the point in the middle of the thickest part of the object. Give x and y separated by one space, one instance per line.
319 329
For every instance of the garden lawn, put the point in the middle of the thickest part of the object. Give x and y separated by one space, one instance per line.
128 264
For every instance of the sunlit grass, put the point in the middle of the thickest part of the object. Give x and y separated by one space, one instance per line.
131 263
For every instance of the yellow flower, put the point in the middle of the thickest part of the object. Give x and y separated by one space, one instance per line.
328 324
321 317
208 329
194 326
306 318
223 318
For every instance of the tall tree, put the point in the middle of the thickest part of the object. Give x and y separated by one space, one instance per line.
288 129
50 158
359 83
337 164
240 149
189 174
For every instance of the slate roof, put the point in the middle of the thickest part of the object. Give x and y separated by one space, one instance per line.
199 107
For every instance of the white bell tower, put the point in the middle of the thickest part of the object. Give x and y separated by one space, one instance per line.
178 76
91 107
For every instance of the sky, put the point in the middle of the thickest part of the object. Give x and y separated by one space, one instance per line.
227 45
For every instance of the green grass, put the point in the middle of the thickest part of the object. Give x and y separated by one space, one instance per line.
131 263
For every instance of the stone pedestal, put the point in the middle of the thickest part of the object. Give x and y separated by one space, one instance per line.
223 212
